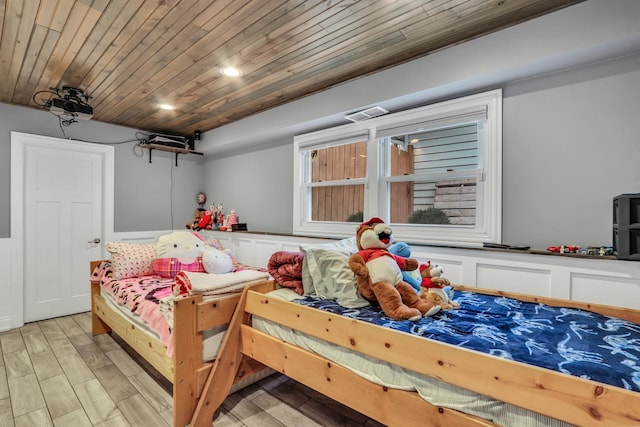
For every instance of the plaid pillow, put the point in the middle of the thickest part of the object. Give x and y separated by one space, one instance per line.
169 267
131 259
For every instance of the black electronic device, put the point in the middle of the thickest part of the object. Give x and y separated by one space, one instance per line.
174 141
239 227
70 102
626 226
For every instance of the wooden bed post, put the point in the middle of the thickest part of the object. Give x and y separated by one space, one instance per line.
224 370
98 327
187 359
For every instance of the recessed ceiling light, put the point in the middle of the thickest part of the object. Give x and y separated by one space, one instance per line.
167 107
231 72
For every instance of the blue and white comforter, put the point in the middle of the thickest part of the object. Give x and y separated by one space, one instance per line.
568 340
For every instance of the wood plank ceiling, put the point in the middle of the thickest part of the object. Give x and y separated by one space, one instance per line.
131 55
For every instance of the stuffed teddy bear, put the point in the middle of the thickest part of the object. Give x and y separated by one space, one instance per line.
379 274
412 277
206 221
196 219
435 288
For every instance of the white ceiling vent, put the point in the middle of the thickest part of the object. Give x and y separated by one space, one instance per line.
366 114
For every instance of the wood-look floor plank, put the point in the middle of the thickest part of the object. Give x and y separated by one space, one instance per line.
69 326
119 421
25 395
62 347
76 419
46 365
60 397
139 412
83 386
17 364
36 342
156 395
51 329
124 362
39 418
106 342
225 419
6 414
84 321
93 356
249 413
4 385
11 341
96 401
279 410
76 370
29 328
115 383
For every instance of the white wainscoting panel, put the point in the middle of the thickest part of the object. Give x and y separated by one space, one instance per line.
6 287
290 247
605 290
604 281
514 279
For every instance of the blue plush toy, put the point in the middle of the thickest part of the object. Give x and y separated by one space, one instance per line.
411 277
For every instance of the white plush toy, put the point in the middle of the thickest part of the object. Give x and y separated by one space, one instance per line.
217 261
185 246
178 251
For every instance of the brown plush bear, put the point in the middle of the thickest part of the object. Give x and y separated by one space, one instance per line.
379 274
432 287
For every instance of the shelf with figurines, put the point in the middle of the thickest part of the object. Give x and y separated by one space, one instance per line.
214 218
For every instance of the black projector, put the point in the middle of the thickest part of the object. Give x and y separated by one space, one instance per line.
70 107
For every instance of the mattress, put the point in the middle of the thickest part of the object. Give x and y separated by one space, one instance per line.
211 338
430 389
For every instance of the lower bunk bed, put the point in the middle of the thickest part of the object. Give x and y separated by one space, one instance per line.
187 352
410 377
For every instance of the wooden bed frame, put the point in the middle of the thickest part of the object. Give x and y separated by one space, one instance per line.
186 370
571 399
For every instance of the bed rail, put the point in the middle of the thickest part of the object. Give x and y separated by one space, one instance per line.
571 399
185 370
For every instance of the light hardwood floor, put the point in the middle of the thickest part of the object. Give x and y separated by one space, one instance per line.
53 373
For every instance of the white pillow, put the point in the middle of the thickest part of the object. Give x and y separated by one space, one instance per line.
326 272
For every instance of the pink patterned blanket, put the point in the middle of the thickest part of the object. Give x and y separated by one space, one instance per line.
141 295
149 297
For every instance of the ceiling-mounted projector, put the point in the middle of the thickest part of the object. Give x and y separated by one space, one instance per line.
70 102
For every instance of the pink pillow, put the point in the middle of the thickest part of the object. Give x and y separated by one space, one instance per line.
131 259
169 267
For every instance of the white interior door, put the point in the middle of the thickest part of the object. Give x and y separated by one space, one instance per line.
63 225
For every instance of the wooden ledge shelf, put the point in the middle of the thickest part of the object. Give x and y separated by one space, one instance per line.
176 150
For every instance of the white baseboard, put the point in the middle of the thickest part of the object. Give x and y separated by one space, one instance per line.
6 323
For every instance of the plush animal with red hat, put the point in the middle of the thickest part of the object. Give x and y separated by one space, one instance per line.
379 274
435 288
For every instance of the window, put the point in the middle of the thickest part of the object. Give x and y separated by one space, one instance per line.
434 173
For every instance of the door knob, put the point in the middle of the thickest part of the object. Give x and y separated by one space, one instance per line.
96 240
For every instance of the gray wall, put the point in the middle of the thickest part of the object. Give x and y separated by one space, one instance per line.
144 193
570 107
571 102
570 144
258 185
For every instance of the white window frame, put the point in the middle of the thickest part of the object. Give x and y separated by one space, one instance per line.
488 227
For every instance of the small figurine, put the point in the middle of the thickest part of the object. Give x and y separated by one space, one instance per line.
220 215
232 218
